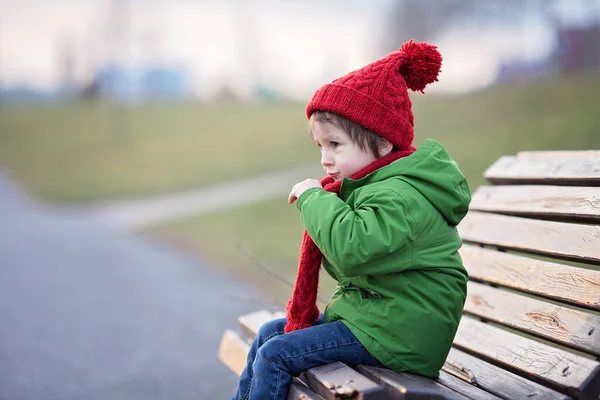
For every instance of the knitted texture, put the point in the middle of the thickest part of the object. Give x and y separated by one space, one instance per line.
302 311
376 95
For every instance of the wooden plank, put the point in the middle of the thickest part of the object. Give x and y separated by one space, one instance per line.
233 352
252 322
572 285
469 390
554 366
300 392
501 382
575 171
339 381
591 388
558 239
572 203
409 386
562 325
559 154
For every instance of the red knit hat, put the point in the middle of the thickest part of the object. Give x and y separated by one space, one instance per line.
376 96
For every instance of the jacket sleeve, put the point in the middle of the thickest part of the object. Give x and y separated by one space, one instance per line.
355 240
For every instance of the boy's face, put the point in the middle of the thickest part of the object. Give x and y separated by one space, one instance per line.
340 157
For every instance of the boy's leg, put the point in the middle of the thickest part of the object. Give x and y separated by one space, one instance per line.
268 331
280 358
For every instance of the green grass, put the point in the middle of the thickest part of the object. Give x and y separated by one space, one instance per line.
477 129
91 151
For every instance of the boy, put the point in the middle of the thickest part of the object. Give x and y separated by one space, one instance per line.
383 224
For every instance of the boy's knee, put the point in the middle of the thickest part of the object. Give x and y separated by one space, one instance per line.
269 353
271 329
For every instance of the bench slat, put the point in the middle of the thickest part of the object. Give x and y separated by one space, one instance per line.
564 283
503 383
563 325
233 352
252 322
556 202
300 392
559 154
568 171
460 386
337 380
567 241
417 386
550 364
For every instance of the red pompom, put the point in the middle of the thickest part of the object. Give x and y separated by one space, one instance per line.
420 66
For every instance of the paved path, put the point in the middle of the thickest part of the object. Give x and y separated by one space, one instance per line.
139 213
88 311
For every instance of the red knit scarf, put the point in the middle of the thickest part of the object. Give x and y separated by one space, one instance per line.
302 310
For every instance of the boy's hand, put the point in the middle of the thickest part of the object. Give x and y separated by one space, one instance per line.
300 187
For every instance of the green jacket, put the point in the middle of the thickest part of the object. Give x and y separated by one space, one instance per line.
391 243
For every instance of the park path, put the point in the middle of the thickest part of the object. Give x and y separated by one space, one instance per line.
134 214
90 311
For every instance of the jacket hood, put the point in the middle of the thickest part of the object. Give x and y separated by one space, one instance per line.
432 172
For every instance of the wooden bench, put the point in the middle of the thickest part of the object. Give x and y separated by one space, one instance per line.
531 324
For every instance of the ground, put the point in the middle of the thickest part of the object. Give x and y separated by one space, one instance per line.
89 311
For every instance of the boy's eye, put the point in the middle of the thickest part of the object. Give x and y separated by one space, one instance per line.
334 144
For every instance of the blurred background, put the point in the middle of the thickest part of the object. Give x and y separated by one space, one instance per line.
181 123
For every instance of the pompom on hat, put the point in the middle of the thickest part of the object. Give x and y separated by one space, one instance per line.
376 96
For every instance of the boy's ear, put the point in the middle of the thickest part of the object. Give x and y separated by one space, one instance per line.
384 147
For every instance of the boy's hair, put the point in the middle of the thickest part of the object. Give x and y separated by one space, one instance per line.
359 135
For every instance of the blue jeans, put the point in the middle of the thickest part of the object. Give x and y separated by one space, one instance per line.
275 357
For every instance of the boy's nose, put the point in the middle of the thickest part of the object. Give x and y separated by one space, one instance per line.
326 160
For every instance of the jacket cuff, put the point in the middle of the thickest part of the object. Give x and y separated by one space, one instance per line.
304 196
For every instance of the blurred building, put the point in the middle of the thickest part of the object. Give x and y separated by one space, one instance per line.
578 48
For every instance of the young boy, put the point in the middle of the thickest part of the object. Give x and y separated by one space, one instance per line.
383 225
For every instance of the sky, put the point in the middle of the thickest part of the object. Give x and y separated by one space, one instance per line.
292 46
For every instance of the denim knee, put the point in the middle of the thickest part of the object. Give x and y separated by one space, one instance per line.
271 329
270 352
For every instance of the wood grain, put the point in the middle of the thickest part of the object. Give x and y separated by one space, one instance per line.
471 391
567 171
564 283
567 203
531 358
571 328
558 239
503 383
